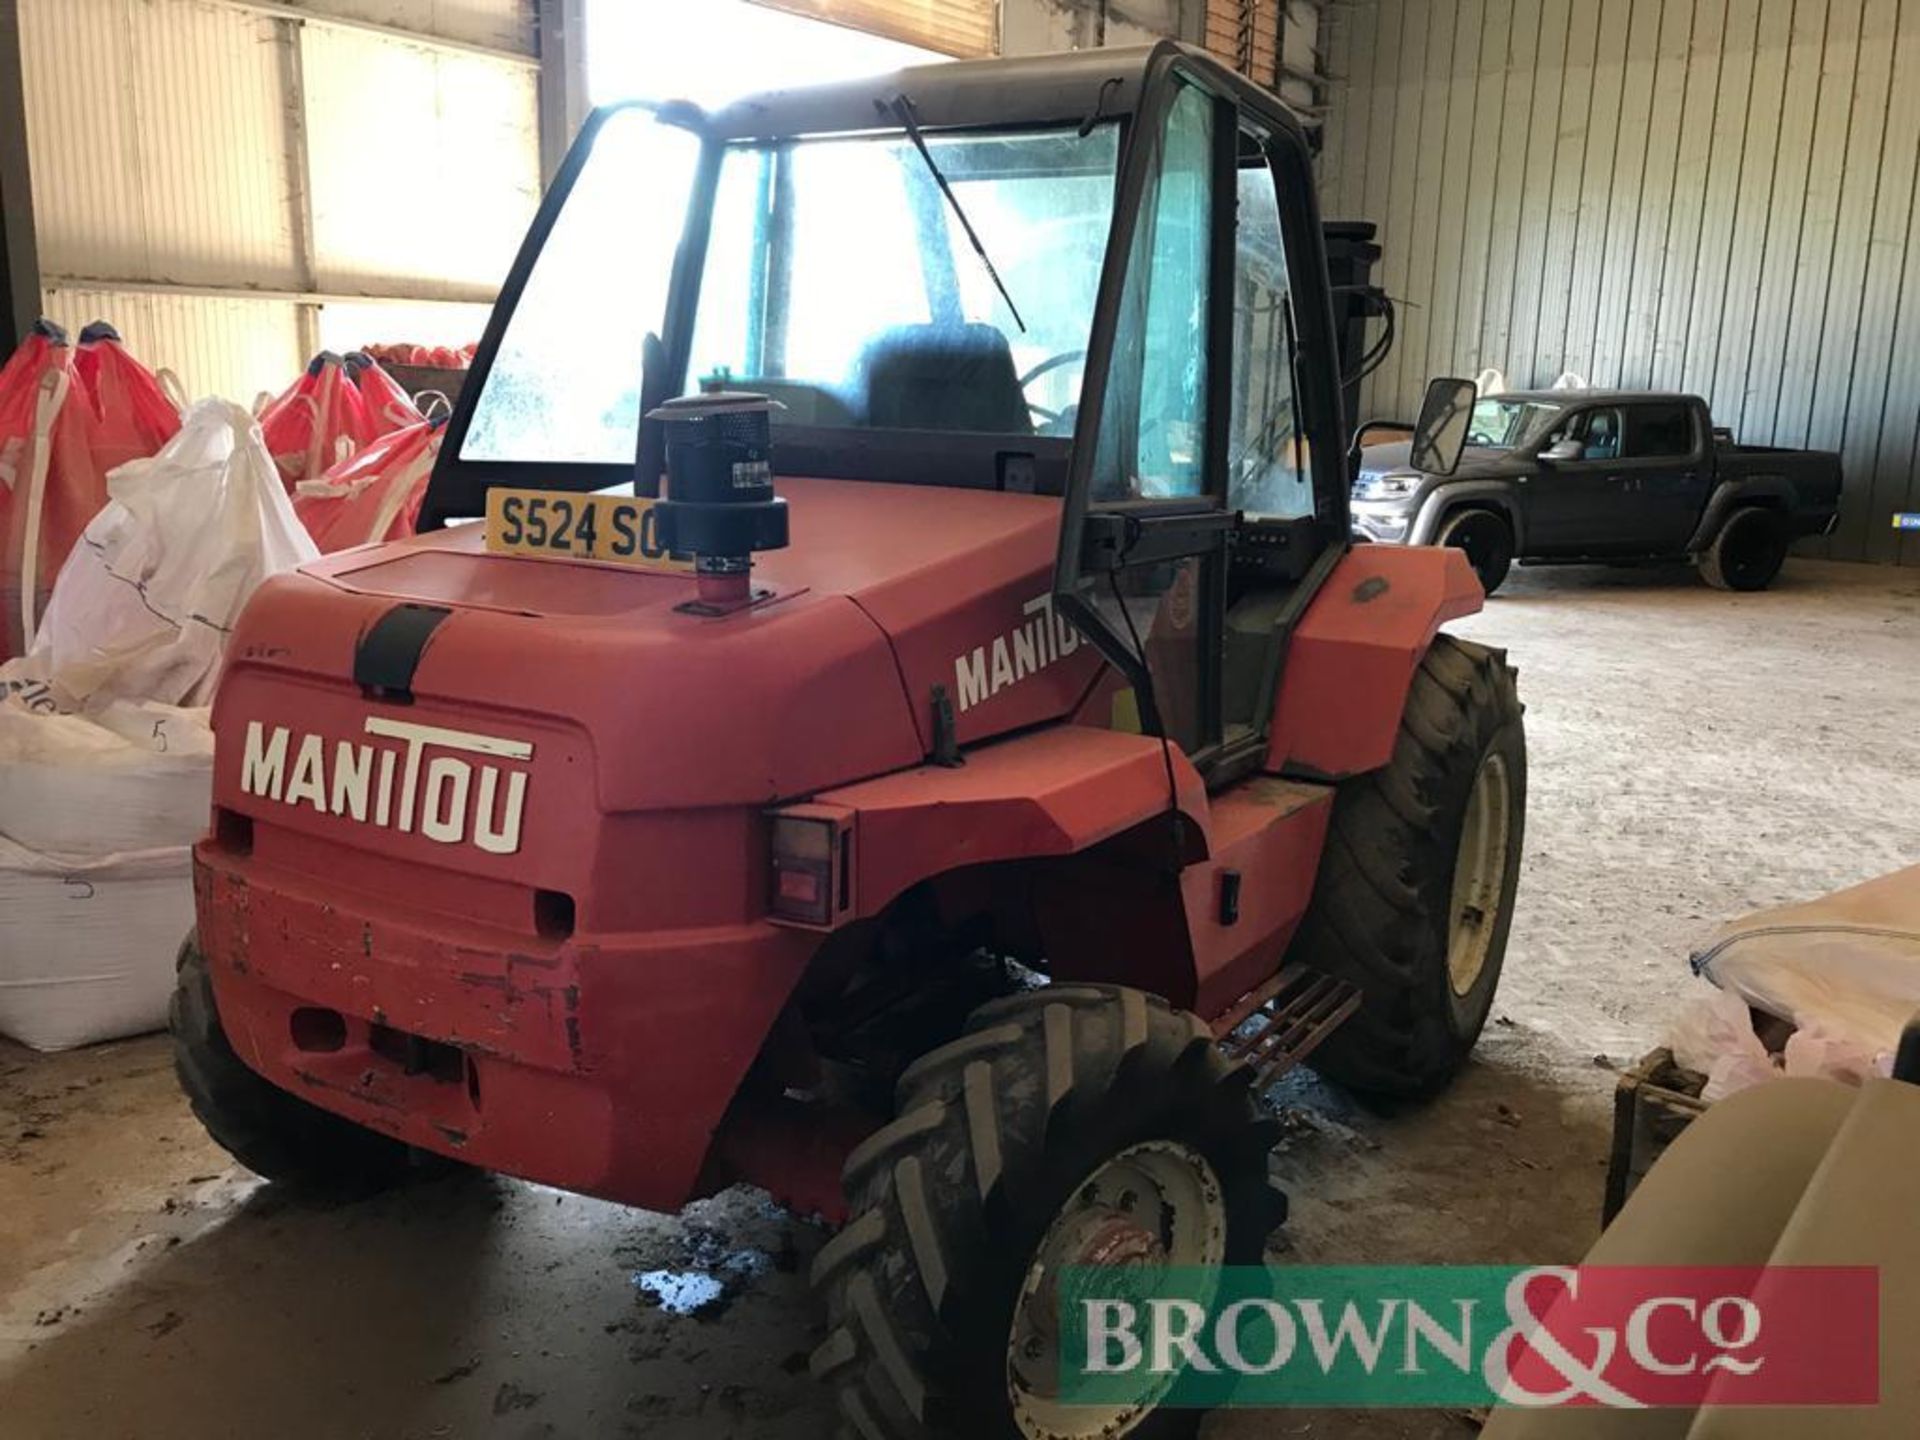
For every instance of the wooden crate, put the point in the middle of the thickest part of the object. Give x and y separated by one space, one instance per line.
1652 1104
417 380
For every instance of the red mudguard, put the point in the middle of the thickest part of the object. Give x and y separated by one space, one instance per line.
1353 656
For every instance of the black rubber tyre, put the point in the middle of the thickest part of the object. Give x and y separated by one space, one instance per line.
274 1134
996 1132
1748 552
1383 904
1487 539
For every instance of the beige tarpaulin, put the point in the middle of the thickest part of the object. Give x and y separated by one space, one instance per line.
1848 963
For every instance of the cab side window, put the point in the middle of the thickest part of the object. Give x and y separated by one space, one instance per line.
1159 375
1266 458
1659 431
1600 432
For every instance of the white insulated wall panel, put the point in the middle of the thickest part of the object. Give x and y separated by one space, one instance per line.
164 138
499 24
156 138
230 348
425 163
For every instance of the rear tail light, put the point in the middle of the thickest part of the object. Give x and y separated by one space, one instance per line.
812 878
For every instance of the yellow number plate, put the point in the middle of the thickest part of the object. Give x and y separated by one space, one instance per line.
617 529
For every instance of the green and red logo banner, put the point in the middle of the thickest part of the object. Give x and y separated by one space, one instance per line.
1627 1337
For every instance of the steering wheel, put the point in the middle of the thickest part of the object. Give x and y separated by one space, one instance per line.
1045 367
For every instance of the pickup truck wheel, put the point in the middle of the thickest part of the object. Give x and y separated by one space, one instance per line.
1416 885
1488 541
1070 1125
278 1136
1748 552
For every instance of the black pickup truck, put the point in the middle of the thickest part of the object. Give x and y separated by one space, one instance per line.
1603 477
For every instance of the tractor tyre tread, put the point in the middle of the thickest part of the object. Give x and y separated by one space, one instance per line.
950 1199
1382 902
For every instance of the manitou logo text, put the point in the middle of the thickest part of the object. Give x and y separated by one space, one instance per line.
1036 643
409 784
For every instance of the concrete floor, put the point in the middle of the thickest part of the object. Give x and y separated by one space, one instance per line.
1694 755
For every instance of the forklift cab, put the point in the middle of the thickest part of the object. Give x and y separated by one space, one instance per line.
1099 277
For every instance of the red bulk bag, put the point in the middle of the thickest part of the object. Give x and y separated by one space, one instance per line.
389 406
319 421
374 495
133 416
50 486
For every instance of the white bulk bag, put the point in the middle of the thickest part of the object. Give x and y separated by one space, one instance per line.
142 607
98 815
90 943
130 777
105 780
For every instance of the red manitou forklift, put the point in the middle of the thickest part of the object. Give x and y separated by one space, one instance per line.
945 799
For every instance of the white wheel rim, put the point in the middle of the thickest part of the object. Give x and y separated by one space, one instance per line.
1479 874
1157 1204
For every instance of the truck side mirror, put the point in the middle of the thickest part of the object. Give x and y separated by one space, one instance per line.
1440 435
1355 456
1563 451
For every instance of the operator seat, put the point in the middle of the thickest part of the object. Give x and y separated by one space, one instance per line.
1603 435
1789 1172
941 377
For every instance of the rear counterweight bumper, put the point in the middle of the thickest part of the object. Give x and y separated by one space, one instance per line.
600 1064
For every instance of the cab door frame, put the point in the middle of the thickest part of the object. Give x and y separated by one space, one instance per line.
1662 496
1101 538
1573 501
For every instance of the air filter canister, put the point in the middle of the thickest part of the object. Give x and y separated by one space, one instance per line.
720 504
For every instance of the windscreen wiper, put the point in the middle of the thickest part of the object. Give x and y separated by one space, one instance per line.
901 109
1293 390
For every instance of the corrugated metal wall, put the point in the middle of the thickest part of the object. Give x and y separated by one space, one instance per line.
1707 195
217 180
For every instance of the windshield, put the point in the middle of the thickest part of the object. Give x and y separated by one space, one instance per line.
1504 424
837 279
565 385
841 281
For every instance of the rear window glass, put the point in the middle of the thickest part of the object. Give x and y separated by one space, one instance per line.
1657 430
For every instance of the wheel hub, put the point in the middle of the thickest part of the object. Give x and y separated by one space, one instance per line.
1153 1206
1117 1240
1479 874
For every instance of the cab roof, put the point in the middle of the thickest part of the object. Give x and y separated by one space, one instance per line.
1024 90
